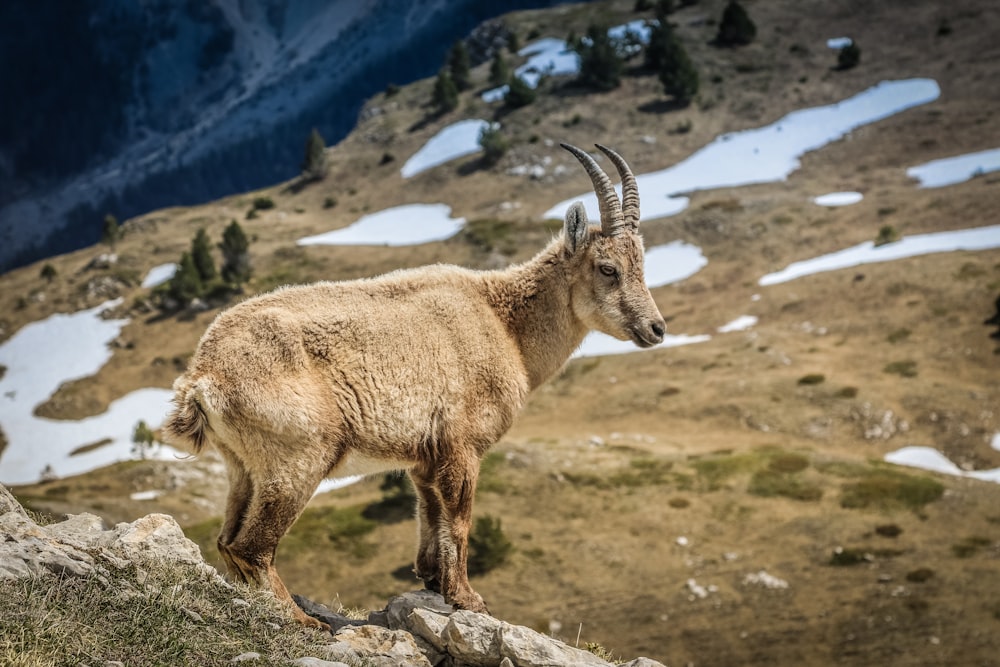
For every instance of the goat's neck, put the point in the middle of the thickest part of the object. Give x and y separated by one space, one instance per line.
533 299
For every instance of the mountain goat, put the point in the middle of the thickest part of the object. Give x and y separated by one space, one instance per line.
419 370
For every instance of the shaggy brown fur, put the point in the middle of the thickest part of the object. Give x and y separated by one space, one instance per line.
421 370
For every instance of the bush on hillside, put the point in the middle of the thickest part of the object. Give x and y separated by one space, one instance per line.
519 94
736 28
314 164
666 55
849 56
499 71
458 66
601 59
236 255
445 94
489 548
111 232
493 143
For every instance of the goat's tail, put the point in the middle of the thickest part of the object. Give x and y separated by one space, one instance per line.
187 423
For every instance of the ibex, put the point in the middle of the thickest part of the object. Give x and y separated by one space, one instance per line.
419 370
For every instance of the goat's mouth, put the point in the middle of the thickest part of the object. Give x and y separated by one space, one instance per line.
645 340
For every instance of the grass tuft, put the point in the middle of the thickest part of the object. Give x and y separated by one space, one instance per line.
890 489
152 615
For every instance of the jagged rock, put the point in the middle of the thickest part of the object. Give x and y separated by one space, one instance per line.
379 647
155 537
399 608
9 504
103 261
316 662
249 656
28 550
642 662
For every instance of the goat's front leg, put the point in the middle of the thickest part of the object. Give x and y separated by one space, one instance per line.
456 484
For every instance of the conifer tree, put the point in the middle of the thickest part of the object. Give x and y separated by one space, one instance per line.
499 71
201 254
314 165
48 272
668 57
111 233
235 255
186 283
600 62
493 143
445 96
735 28
458 66
519 93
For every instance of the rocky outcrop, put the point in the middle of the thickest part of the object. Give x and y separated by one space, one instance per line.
416 629
422 620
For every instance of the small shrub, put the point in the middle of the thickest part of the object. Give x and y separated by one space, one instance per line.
944 28
642 5
736 28
969 546
600 61
847 392
262 203
842 557
849 56
142 440
386 159
445 94
314 163
906 368
489 548
812 378
920 575
48 272
329 202
391 90
898 336
519 94
888 530
493 143
679 503
886 234
499 70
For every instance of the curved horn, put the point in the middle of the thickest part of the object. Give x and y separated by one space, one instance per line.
630 190
611 209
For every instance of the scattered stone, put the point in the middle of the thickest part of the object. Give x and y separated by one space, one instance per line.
764 579
316 662
193 615
246 657
323 613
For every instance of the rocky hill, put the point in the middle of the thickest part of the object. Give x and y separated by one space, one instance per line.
723 502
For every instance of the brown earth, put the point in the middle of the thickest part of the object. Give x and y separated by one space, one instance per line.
619 456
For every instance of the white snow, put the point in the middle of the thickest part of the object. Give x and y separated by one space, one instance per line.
672 262
410 224
455 141
39 358
838 42
979 238
995 442
765 154
838 199
741 323
954 170
152 494
553 57
332 484
597 344
763 578
159 274
928 458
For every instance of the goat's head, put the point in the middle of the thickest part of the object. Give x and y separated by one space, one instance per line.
609 293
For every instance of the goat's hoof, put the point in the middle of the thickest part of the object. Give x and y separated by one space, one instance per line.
433 585
473 602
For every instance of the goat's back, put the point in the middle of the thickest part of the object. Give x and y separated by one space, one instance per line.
401 361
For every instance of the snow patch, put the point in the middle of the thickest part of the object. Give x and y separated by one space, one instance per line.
838 199
928 458
159 275
954 170
455 141
764 579
765 154
597 344
672 262
741 323
979 238
411 224
39 358
839 42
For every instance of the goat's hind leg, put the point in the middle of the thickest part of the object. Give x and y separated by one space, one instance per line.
275 504
429 513
237 502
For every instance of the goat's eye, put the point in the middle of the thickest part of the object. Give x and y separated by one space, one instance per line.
608 270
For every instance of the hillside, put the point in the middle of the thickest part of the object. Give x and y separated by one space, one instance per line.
646 493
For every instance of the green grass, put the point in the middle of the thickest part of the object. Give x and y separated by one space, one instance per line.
970 546
886 489
812 378
175 616
768 484
906 368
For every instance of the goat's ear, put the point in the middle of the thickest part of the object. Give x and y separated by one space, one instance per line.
576 227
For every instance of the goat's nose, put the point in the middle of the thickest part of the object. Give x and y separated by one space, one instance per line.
659 328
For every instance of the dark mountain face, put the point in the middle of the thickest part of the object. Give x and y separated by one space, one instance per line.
124 107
